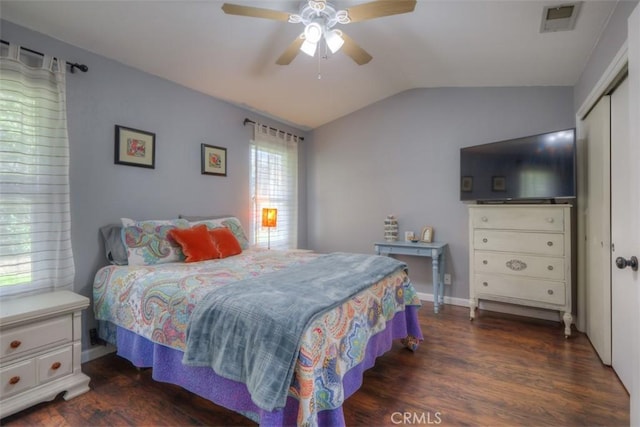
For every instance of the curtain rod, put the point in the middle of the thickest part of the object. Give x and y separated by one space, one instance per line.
73 65
246 120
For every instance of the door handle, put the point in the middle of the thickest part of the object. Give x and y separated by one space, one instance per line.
632 262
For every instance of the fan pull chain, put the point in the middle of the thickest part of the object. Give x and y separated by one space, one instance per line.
319 74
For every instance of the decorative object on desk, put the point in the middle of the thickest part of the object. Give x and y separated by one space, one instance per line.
213 160
427 234
409 236
390 228
466 184
269 220
498 183
135 147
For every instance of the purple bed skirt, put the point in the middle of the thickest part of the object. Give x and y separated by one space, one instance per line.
167 367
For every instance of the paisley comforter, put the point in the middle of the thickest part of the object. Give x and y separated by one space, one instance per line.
156 302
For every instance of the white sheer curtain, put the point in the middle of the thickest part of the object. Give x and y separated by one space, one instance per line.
35 224
274 184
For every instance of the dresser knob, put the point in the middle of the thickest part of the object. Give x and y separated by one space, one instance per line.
15 344
550 267
549 220
550 291
485 262
56 365
549 243
484 219
14 380
485 240
485 284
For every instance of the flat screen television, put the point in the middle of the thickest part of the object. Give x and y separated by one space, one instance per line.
538 167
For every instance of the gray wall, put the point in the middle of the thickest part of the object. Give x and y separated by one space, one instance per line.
401 156
103 192
610 42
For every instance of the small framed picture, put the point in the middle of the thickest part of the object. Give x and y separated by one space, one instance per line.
427 234
213 160
135 147
498 183
466 184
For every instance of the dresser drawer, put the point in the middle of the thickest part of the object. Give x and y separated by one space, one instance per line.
55 364
514 241
520 265
530 218
520 288
22 339
17 377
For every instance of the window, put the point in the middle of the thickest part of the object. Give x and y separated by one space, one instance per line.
274 184
35 243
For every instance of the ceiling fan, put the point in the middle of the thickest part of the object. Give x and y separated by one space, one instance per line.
319 18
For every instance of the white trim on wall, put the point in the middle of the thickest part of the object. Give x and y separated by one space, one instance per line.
498 307
615 67
96 352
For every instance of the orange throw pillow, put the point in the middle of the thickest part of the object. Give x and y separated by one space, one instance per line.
196 243
225 242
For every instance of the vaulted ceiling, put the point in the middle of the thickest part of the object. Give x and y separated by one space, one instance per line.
448 43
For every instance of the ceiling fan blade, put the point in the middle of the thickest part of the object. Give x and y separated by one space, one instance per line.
377 9
256 12
290 52
353 50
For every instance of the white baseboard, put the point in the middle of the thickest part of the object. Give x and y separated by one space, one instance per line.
96 352
447 300
518 310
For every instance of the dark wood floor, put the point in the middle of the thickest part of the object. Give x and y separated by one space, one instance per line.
498 370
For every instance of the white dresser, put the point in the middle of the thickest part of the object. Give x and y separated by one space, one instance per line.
521 254
40 346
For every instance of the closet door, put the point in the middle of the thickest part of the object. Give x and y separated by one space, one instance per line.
625 243
597 127
634 177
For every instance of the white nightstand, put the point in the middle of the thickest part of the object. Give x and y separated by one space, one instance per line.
40 346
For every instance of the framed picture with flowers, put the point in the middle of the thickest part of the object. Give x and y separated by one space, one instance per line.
135 147
213 160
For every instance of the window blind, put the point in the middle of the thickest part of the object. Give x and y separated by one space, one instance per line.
274 184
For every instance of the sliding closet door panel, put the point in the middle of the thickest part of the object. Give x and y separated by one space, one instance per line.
598 228
625 244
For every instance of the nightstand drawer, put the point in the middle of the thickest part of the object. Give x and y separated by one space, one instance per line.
531 218
514 241
520 288
22 339
17 377
55 364
520 265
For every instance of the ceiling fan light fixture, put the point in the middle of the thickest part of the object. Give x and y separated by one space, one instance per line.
317 5
342 16
313 32
309 48
334 40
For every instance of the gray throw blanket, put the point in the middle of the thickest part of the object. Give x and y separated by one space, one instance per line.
249 331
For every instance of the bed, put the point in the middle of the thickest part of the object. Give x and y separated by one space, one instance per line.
149 312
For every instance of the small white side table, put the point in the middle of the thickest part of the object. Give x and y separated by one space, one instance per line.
435 251
40 346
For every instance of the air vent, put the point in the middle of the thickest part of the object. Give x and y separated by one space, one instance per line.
560 18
